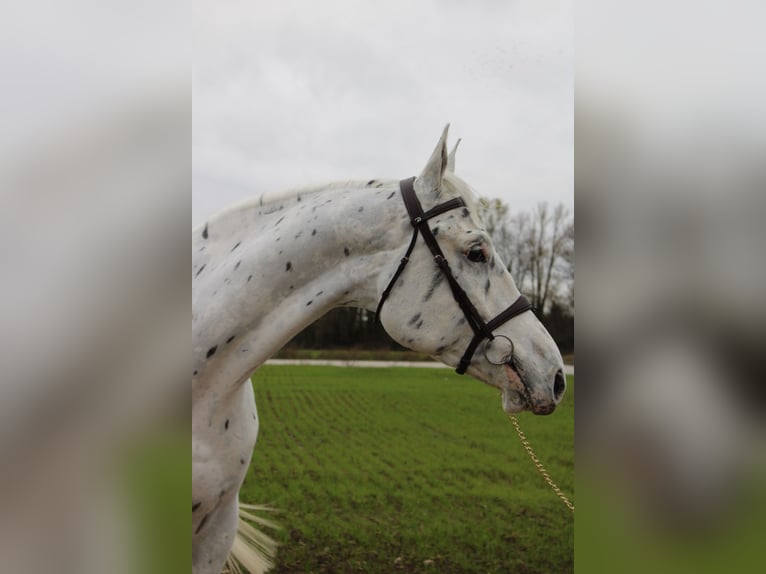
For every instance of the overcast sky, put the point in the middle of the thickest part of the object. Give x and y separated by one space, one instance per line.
299 92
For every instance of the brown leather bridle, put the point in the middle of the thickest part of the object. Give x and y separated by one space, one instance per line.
481 330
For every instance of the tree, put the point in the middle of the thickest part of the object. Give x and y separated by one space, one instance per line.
537 249
549 242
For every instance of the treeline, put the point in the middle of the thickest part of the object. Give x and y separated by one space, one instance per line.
537 248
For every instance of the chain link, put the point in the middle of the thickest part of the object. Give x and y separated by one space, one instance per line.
539 465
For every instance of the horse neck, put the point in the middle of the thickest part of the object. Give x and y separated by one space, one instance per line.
271 269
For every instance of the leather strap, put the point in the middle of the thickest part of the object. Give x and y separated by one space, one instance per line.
518 307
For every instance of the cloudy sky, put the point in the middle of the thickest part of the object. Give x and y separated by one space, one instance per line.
298 92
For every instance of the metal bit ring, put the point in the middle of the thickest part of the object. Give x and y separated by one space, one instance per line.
498 350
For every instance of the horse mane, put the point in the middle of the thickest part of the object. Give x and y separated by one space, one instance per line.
269 198
265 202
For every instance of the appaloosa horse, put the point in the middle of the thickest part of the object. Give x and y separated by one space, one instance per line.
414 251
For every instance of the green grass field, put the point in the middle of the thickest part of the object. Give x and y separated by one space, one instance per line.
414 470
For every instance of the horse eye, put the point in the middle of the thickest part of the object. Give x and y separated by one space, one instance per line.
476 254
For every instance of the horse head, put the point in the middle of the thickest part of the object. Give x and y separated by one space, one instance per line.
457 302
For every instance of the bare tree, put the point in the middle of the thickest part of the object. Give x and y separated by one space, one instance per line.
494 214
520 262
549 242
537 248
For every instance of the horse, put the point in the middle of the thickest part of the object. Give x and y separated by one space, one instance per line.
414 251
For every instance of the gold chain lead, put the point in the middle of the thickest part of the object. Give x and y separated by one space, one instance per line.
539 465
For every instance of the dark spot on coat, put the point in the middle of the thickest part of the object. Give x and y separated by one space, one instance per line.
435 231
486 287
237 245
211 351
346 251
279 221
309 303
440 350
230 339
249 277
241 461
226 424
414 319
200 270
202 523
360 210
465 212
419 325
392 195
204 232
297 235
314 232
371 182
461 321
379 184
196 506
237 265
288 266
318 294
195 372
435 282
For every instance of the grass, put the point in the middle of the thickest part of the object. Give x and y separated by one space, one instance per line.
401 469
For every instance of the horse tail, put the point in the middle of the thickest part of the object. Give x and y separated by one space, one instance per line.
253 551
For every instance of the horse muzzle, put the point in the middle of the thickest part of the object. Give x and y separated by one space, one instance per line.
538 397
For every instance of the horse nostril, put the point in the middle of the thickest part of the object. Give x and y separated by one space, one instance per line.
559 385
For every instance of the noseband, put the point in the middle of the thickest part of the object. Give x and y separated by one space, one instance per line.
419 220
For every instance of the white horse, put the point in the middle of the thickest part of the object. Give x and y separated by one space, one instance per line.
265 269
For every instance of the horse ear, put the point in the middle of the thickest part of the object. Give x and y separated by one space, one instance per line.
431 176
451 158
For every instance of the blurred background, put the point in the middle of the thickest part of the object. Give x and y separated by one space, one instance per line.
94 298
670 193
